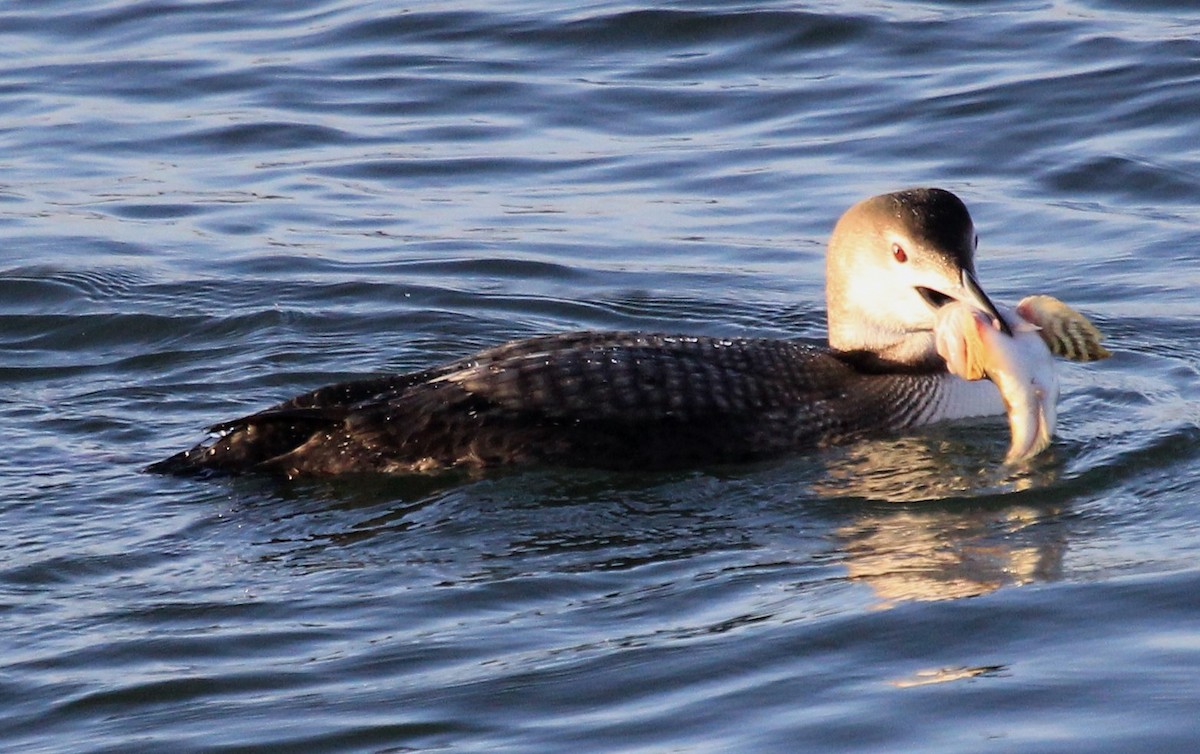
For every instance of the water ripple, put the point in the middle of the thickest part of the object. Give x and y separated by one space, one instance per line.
208 207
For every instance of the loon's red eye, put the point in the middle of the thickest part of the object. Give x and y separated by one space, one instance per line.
898 253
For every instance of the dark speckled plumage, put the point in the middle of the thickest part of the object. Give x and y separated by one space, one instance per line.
615 400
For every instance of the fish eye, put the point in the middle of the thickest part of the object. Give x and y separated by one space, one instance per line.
898 253
976 240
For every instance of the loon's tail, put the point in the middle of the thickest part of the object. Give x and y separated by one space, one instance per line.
246 443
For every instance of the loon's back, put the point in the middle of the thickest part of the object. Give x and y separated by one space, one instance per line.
613 400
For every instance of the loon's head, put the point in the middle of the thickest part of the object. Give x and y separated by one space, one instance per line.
893 261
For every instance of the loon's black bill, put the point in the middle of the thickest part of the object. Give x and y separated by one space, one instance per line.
983 302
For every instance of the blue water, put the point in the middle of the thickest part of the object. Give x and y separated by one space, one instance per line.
206 207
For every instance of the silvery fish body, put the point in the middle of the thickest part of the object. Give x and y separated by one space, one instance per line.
1021 364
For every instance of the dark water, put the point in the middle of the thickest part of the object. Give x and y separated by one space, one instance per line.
208 206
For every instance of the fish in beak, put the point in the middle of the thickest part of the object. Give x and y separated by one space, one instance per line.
1015 358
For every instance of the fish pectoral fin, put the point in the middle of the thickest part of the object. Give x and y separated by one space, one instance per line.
958 341
976 344
1067 333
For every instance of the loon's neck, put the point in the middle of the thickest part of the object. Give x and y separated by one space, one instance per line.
870 361
908 378
851 333
906 400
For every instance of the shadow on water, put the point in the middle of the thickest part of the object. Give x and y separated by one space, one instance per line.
931 516
497 524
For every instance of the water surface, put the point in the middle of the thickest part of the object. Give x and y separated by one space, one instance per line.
207 207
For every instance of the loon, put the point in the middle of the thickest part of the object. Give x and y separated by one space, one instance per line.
634 400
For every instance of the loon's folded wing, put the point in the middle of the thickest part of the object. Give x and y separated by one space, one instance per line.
638 377
628 400
334 401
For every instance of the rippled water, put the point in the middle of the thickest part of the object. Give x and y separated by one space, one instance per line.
208 206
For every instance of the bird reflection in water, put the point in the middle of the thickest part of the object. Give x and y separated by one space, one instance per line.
956 533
